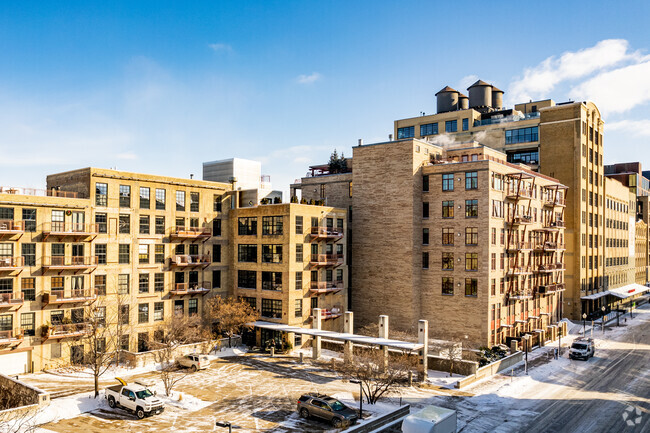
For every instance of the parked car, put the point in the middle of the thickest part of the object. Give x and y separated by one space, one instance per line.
136 398
582 348
326 408
194 362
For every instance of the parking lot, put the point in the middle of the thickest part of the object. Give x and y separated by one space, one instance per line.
253 392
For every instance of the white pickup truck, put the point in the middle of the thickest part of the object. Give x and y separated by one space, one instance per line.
136 398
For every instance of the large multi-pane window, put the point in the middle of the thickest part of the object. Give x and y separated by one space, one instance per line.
298 280
447 236
124 254
145 198
247 279
143 313
6 285
58 221
27 321
100 253
101 194
297 311
6 322
180 201
143 254
100 285
272 225
125 196
471 287
299 226
123 317
465 124
471 180
246 253
216 203
447 286
123 284
428 129
56 283
29 220
143 283
471 208
247 226
160 199
29 254
451 126
194 201
125 223
471 261
406 132
526 157
159 253
271 253
192 307
102 222
448 209
144 225
159 282
448 182
448 261
272 308
271 280
158 311
471 235
160 225
28 287
299 253
522 135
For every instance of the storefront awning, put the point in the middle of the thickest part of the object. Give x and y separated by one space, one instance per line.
629 290
594 296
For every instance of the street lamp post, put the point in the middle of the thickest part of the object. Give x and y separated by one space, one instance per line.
355 381
603 319
584 324
225 424
618 313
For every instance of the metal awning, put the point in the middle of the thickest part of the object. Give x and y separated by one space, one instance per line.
533 317
355 338
594 296
629 290
505 325
521 321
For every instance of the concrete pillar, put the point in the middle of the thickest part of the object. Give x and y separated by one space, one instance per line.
316 324
348 328
383 333
423 338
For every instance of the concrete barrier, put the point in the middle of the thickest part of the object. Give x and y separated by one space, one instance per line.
387 421
491 369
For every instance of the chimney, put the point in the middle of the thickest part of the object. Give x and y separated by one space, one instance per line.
361 142
390 137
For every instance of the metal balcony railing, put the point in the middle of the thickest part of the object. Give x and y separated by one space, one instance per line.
11 226
10 263
326 232
11 337
191 288
69 229
8 300
191 232
74 262
67 331
326 259
74 296
322 287
191 260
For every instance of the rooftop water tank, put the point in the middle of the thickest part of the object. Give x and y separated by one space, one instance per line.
480 94
497 98
463 102
447 99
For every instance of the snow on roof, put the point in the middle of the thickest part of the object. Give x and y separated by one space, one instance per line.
629 290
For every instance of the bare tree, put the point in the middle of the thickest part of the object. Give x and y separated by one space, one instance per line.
229 314
377 379
451 350
169 335
122 325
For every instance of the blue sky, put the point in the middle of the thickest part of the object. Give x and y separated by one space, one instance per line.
159 87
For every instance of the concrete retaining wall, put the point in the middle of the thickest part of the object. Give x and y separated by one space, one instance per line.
491 369
382 421
31 401
140 359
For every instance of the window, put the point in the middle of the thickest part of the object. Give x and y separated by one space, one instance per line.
216 227
247 279
272 225
471 261
100 253
247 226
28 287
180 201
299 225
29 254
272 308
124 256
448 209
100 285
448 261
406 132
216 253
216 203
143 283
525 157
56 283
27 324
7 213
251 301
144 198
425 183
159 282
271 253
271 280
451 126
425 209
123 284
125 196
447 286
471 180
428 129
160 199
425 260
299 255
125 224
522 135
471 287
425 236
159 253
247 253
101 223
494 236
29 220
448 182
299 280
195 199
447 236
143 313
471 235
144 224
158 311
101 194
192 307
471 208
298 308
58 220
465 124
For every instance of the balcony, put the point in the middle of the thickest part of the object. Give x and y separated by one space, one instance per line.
521 294
9 228
519 270
73 330
325 287
78 231
519 220
514 193
326 260
181 289
193 233
190 261
11 338
62 263
549 246
552 225
547 201
75 296
326 233
8 300
514 246
9 264
327 314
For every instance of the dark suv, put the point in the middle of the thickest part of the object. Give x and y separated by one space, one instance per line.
327 408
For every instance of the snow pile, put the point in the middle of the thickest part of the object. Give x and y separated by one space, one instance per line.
180 400
226 352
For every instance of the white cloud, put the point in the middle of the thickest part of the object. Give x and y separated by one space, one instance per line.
540 80
465 82
308 79
126 155
639 128
220 47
